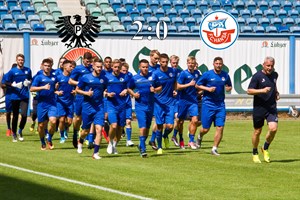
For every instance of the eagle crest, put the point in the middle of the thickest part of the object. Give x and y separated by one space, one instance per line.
78 33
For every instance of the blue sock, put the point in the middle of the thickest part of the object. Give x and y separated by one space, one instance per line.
180 137
96 148
143 143
50 138
90 137
159 139
46 131
153 136
175 132
266 145
192 138
128 133
20 132
166 133
87 137
43 141
62 134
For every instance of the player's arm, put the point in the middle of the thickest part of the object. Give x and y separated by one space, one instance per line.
73 82
205 88
136 95
86 93
252 91
39 88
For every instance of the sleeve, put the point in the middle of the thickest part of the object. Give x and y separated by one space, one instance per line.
156 80
29 74
9 77
202 79
35 81
253 83
74 74
3 81
81 83
228 81
131 83
181 78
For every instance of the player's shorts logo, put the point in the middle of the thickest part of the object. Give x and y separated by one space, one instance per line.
219 30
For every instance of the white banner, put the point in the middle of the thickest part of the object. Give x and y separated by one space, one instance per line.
241 59
297 63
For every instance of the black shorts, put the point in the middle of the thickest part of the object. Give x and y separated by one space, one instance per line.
261 113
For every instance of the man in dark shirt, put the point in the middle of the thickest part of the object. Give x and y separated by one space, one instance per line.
263 87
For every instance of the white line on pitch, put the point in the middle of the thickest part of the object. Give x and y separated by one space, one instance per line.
75 182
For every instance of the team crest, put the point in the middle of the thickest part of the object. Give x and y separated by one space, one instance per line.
170 74
53 79
101 81
26 72
78 33
150 78
223 78
121 79
196 75
219 30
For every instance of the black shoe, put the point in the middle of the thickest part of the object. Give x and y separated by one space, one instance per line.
153 145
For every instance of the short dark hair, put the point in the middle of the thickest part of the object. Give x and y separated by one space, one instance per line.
47 60
143 61
164 55
67 62
87 55
97 60
107 57
20 55
218 58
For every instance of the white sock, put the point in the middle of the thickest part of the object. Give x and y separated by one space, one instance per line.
214 148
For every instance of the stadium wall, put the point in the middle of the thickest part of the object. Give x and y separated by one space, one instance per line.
241 60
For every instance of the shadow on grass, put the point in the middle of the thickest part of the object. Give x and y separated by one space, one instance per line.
286 160
237 152
12 188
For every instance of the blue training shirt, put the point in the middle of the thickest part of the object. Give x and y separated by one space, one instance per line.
211 79
63 85
19 75
8 88
78 72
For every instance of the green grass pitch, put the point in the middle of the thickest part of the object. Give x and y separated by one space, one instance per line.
177 174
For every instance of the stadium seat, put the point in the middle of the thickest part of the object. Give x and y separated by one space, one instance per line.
139 18
47 19
227 5
55 11
295 29
2 3
271 29
29 11
206 11
38 27
146 12
286 5
126 20
241 21
145 28
108 12
283 29
202 4
153 4
165 19
252 21
165 4
172 29
90 4
276 22
102 20
177 21
121 12
51 27
24 3
246 29
25 27
1 27
42 11
141 4
10 27
264 22
178 4
250 5
134 12
195 29
190 4
257 14
281 13
128 4
269 14
106 28
118 28
37 3
51 4
293 13
20 19
132 28
15 10
239 5
160 12
274 5
7 18
196 13
245 13
183 29
113 20
103 4
288 22
10 3
296 5
258 29
95 11
263 5
171 13
184 13
297 21
215 5
190 21
115 4
199 20
3 10
33 19
152 21
234 12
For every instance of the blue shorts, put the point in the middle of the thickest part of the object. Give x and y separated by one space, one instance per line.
65 110
199 110
164 114
92 115
176 106
144 117
216 115
105 104
8 105
78 105
116 116
45 111
184 109
129 112
260 114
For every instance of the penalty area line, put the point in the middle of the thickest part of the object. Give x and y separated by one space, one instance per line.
75 182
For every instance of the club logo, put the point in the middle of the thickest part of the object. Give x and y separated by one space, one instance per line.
219 30
77 33
265 44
